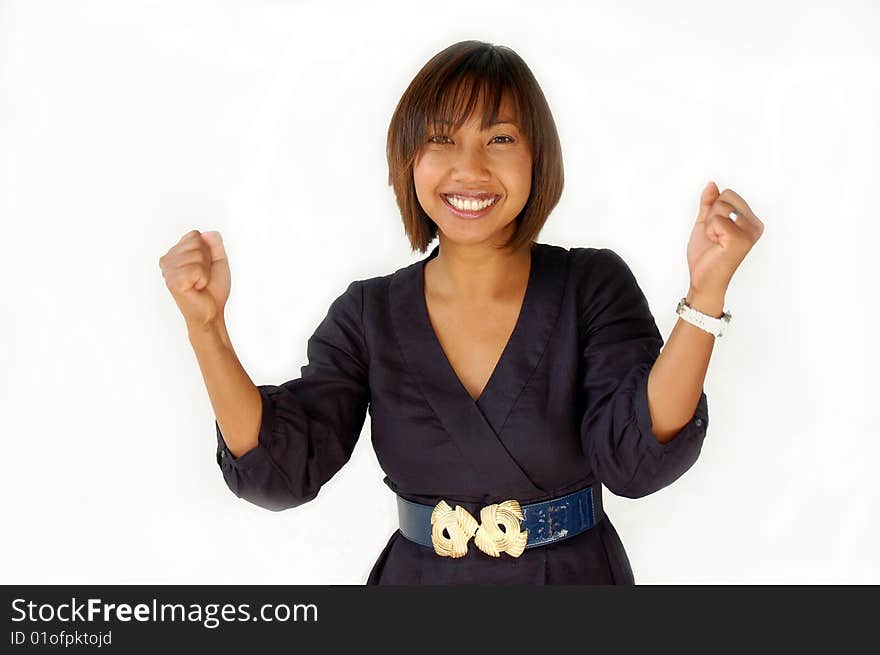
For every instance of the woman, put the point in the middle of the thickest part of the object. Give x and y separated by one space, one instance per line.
506 379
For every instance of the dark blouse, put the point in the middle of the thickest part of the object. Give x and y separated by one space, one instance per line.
565 406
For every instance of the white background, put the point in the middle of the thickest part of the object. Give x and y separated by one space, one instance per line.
124 125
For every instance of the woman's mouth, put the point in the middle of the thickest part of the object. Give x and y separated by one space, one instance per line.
469 207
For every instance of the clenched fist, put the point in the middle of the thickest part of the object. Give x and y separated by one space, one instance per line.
196 273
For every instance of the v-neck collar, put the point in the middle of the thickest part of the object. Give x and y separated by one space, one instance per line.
498 371
477 425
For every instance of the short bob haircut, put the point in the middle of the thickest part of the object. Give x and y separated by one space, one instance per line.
446 91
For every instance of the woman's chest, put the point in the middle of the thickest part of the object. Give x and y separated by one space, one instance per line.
473 337
426 426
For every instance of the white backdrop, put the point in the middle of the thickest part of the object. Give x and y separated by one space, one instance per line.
124 125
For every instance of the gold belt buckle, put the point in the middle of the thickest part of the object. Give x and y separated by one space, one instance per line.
460 525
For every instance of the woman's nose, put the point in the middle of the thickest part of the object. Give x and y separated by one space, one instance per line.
470 162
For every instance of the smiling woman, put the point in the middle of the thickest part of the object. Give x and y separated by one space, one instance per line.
474 123
475 173
506 380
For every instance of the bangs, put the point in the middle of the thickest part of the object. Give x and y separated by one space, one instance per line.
454 101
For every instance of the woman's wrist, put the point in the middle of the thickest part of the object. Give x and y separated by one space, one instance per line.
213 331
711 304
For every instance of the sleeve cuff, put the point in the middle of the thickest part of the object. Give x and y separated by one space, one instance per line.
693 429
256 455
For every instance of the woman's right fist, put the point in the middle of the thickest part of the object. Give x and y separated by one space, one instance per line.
196 273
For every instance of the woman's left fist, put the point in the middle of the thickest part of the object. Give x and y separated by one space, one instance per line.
718 244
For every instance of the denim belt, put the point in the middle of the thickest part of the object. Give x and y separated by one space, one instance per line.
448 530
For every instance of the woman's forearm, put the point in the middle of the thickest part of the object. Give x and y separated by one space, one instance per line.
676 379
235 399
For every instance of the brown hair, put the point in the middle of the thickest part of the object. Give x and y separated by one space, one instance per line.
470 70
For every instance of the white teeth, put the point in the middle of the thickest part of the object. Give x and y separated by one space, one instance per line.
467 204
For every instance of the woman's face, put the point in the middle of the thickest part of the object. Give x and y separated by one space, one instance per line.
495 164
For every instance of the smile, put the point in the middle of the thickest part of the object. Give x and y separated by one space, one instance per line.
467 207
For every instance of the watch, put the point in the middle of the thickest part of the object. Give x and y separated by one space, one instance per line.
711 324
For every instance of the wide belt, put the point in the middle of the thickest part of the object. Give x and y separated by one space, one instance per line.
503 527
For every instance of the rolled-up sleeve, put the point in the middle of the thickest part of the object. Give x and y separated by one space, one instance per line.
622 344
309 425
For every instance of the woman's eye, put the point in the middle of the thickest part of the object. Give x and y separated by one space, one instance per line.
437 137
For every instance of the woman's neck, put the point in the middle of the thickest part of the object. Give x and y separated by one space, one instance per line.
478 271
